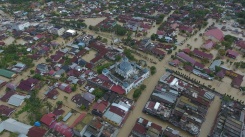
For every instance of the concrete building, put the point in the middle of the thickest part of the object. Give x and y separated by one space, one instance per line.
20 26
126 74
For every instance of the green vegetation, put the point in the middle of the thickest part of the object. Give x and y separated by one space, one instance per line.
119 30
241 17
101 67
228 41
159 19
98 93
153 70
128 54
77 24
15 53
138 91
33 107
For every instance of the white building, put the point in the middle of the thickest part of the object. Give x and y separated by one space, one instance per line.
130 74
20 26
14 126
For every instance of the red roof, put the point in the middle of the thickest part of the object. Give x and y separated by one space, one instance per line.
58 112
232 53
202 54
51 94
36 132
6 97
217 33
80 118
117 111
6 111
62 129
139 129
241 44
48 119
118 89
101 106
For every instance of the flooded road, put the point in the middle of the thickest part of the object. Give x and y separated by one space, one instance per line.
152 81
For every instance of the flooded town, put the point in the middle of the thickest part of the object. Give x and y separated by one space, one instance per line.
129 68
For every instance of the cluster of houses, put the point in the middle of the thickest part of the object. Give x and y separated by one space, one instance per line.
212 37
230 119
182 103
143 127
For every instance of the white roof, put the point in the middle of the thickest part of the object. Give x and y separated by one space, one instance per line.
14 126
157 105
16 100
71 31
120 106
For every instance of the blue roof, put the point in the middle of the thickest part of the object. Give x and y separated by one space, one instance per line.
125 66
37 124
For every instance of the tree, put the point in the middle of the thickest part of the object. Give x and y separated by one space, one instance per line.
221 52
90 27
142 87
153 70
32 71
119 30
153 37
65 98
169 51
137 93
37 76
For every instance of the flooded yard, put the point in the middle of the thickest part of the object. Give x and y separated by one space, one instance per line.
89 56
93 21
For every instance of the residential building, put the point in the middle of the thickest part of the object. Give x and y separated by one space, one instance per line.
185 58
215 35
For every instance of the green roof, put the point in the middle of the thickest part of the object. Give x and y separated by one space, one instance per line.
6 73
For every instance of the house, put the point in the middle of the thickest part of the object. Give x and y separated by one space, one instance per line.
145 128
160 34
185 58
42 68
62 129
7 95
28 84
100 107
6 111
116 114
57 30
232 54
209 44
89 97
237 82
174 63
214 64
216 35
240 45
36 132
158 52
186 29
14 126
80 101
58 112
7 73
48 119
170 132
2 83
202 55
16 100
64 87
199 66
52 94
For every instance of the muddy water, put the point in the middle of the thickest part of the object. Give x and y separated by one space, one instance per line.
151 82
89 56
93 21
